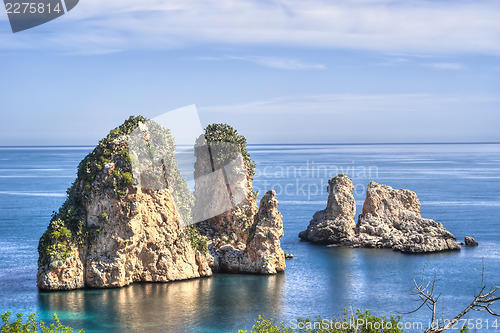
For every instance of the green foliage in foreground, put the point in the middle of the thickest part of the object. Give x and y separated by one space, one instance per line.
32 326
361 322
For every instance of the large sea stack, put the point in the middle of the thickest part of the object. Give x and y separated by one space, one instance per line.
390 219
127 218
243 238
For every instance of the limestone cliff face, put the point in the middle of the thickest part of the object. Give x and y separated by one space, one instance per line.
127 216
335 223
242 238
115 229
390 219
140 240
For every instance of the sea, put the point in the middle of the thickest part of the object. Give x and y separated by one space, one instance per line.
457 184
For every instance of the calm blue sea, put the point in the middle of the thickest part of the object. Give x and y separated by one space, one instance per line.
458 185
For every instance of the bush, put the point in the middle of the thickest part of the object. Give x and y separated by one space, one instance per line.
361 322
128 179
268 326
198 241
223 133
32 326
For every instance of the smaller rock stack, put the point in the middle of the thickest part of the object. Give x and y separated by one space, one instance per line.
335 224
390 219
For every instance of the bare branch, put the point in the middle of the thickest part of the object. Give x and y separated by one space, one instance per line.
421 305
491 312
481 302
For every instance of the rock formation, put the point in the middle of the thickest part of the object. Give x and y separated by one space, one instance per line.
335 223
242 238
390 219
470 241
127 216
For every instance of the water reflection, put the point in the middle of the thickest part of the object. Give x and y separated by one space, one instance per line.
201 305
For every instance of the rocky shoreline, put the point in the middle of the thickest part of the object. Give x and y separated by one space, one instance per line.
390 219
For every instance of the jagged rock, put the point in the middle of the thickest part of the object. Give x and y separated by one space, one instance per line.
334 224
469 241
115 229
390 219
111 231
288 255
264 254
242 238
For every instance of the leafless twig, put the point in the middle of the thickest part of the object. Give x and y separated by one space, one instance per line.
482 302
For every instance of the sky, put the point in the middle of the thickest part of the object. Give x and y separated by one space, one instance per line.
284 71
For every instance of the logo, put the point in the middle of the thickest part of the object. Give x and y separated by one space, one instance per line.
26 14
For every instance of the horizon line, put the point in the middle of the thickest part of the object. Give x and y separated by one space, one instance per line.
287 144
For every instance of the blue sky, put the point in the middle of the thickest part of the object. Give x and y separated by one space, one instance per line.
279 71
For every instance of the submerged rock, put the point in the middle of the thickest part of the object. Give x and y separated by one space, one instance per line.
390 219
469 241
122 223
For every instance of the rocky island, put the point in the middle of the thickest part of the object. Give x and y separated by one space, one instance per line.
390 219
128 215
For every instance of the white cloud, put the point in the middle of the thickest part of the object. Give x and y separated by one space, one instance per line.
272 62
451 66
383 25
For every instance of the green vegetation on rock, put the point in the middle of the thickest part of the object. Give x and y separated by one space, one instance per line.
60 248
67 228
32 325
109 167
222 148
112 149
197 240
224 133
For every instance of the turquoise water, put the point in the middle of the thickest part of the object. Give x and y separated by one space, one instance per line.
457 184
